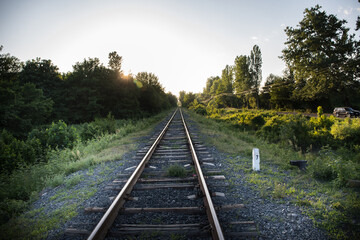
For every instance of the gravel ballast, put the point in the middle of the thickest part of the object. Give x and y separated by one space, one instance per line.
274 219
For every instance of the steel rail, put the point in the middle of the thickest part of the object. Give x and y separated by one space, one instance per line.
216 230
108 218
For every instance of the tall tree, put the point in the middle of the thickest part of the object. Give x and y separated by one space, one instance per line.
255 64
115 62
226 82
209 82
22 106
215 86
150 79
84 85
45 76
321 54
243 81
152 98
9 67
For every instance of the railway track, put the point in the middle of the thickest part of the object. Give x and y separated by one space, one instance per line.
167 193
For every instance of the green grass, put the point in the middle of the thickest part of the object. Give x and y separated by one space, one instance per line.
22 187
332 207
176 171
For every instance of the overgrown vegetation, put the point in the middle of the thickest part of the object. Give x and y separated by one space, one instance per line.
332 145
65 156
322 191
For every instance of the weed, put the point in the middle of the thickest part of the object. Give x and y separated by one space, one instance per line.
176 171
55 180
279 190
74 180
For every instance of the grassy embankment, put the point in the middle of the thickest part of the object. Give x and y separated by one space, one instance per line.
89 161
321 192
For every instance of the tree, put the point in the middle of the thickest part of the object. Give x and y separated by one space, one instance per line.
23 108
150 79
115 62
215 86
226 81
255 64
243 81
9 67
280 90
45 76
188 99
86 94
209 82
321 53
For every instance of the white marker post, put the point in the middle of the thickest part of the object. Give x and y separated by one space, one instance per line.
256 159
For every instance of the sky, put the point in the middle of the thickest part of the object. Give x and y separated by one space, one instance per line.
182 42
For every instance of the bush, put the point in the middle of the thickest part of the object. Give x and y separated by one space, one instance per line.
272 128
323 168
105 125
58 135
16 153
257 121
347 132
296 131
89 131
198 107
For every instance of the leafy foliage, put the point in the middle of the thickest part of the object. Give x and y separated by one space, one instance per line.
18 153
34 94
320 52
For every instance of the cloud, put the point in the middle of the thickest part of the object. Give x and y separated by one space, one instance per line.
260 39
345 11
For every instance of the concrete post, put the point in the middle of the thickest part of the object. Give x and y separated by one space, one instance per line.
256 159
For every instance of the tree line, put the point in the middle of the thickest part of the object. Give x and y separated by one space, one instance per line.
322 69
36 93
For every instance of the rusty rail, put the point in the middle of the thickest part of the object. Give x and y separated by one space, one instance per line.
108 218
216 230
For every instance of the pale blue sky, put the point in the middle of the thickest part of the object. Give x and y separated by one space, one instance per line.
182 42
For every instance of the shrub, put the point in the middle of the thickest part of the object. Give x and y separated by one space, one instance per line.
257 121
347 132
16 153
58 135
89 131
322 167
271 129
287 129
197 107
322 122
105 125
329 165
296 131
